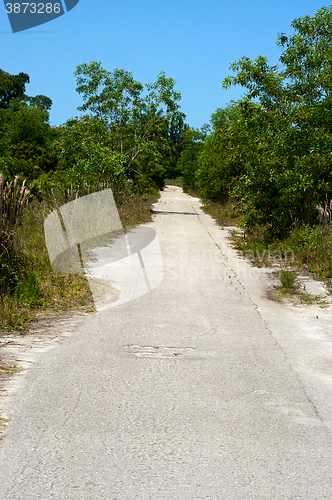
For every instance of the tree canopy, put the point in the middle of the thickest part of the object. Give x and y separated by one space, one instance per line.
272 149
12 87
142 122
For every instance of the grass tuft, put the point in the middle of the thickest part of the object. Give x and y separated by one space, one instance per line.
288 280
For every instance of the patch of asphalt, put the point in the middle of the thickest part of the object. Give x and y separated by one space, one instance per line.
19 350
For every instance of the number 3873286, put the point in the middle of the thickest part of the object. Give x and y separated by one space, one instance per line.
33 8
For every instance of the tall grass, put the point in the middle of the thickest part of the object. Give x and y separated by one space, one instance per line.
32 286
12 199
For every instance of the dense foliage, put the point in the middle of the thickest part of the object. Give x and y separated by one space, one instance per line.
128 139
272 149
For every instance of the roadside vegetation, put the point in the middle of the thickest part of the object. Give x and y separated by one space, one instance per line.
126 140
265 161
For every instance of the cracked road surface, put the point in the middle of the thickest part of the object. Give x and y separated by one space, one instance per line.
202 388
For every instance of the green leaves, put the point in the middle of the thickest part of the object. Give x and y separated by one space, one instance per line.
12 87
192 143
228 151
25 141
25 134
109 95
283 155
31 295
308 56
140 121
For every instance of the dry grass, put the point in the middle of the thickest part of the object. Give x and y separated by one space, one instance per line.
225 214
40 288
325 213
12 199
137 210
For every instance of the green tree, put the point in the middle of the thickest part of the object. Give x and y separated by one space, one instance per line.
294 173
86 155
139 118
26 138
25 141
192 142
229 149
177 127
12 87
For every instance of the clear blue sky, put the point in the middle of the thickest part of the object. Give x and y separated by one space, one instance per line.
192 41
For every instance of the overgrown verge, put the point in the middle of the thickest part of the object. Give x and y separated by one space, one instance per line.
226 214
29 285
304 248
307 247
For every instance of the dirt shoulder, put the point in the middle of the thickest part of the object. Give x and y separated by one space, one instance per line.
19 349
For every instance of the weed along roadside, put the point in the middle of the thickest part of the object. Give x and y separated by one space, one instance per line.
29 285
33 296
40 307
300 263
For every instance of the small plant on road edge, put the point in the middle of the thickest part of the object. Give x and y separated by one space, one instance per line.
288 280
291 289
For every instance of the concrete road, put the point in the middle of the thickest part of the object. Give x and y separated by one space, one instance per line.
201 388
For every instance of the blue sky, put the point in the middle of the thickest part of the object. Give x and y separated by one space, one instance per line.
193 41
